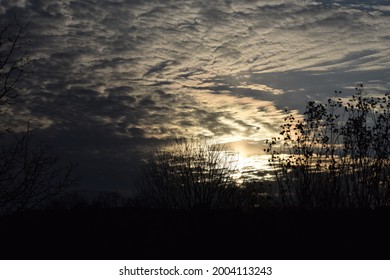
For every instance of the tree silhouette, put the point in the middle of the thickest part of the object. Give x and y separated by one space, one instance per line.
13 60
337 156
188 174
29 174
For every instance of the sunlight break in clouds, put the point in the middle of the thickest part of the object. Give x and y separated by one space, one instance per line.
132 72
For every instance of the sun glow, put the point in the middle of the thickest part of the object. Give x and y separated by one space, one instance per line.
252 163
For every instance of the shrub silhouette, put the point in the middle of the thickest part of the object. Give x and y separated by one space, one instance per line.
188 174
337 156
29 174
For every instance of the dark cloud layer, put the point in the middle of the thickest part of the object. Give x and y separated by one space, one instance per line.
112 77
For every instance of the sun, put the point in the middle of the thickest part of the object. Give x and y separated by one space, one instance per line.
252 163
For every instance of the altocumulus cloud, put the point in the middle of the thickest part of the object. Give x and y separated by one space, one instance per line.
111 77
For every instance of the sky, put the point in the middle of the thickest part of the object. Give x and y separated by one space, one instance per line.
112 79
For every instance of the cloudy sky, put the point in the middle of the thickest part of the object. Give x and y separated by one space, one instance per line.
113 78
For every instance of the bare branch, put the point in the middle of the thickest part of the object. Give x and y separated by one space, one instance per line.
29 174
13 61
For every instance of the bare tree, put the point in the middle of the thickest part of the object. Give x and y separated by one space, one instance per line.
189 174
29 174
13 60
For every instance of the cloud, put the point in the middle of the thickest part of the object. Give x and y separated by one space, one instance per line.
137 72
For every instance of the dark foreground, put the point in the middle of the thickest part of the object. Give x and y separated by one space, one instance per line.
155 234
